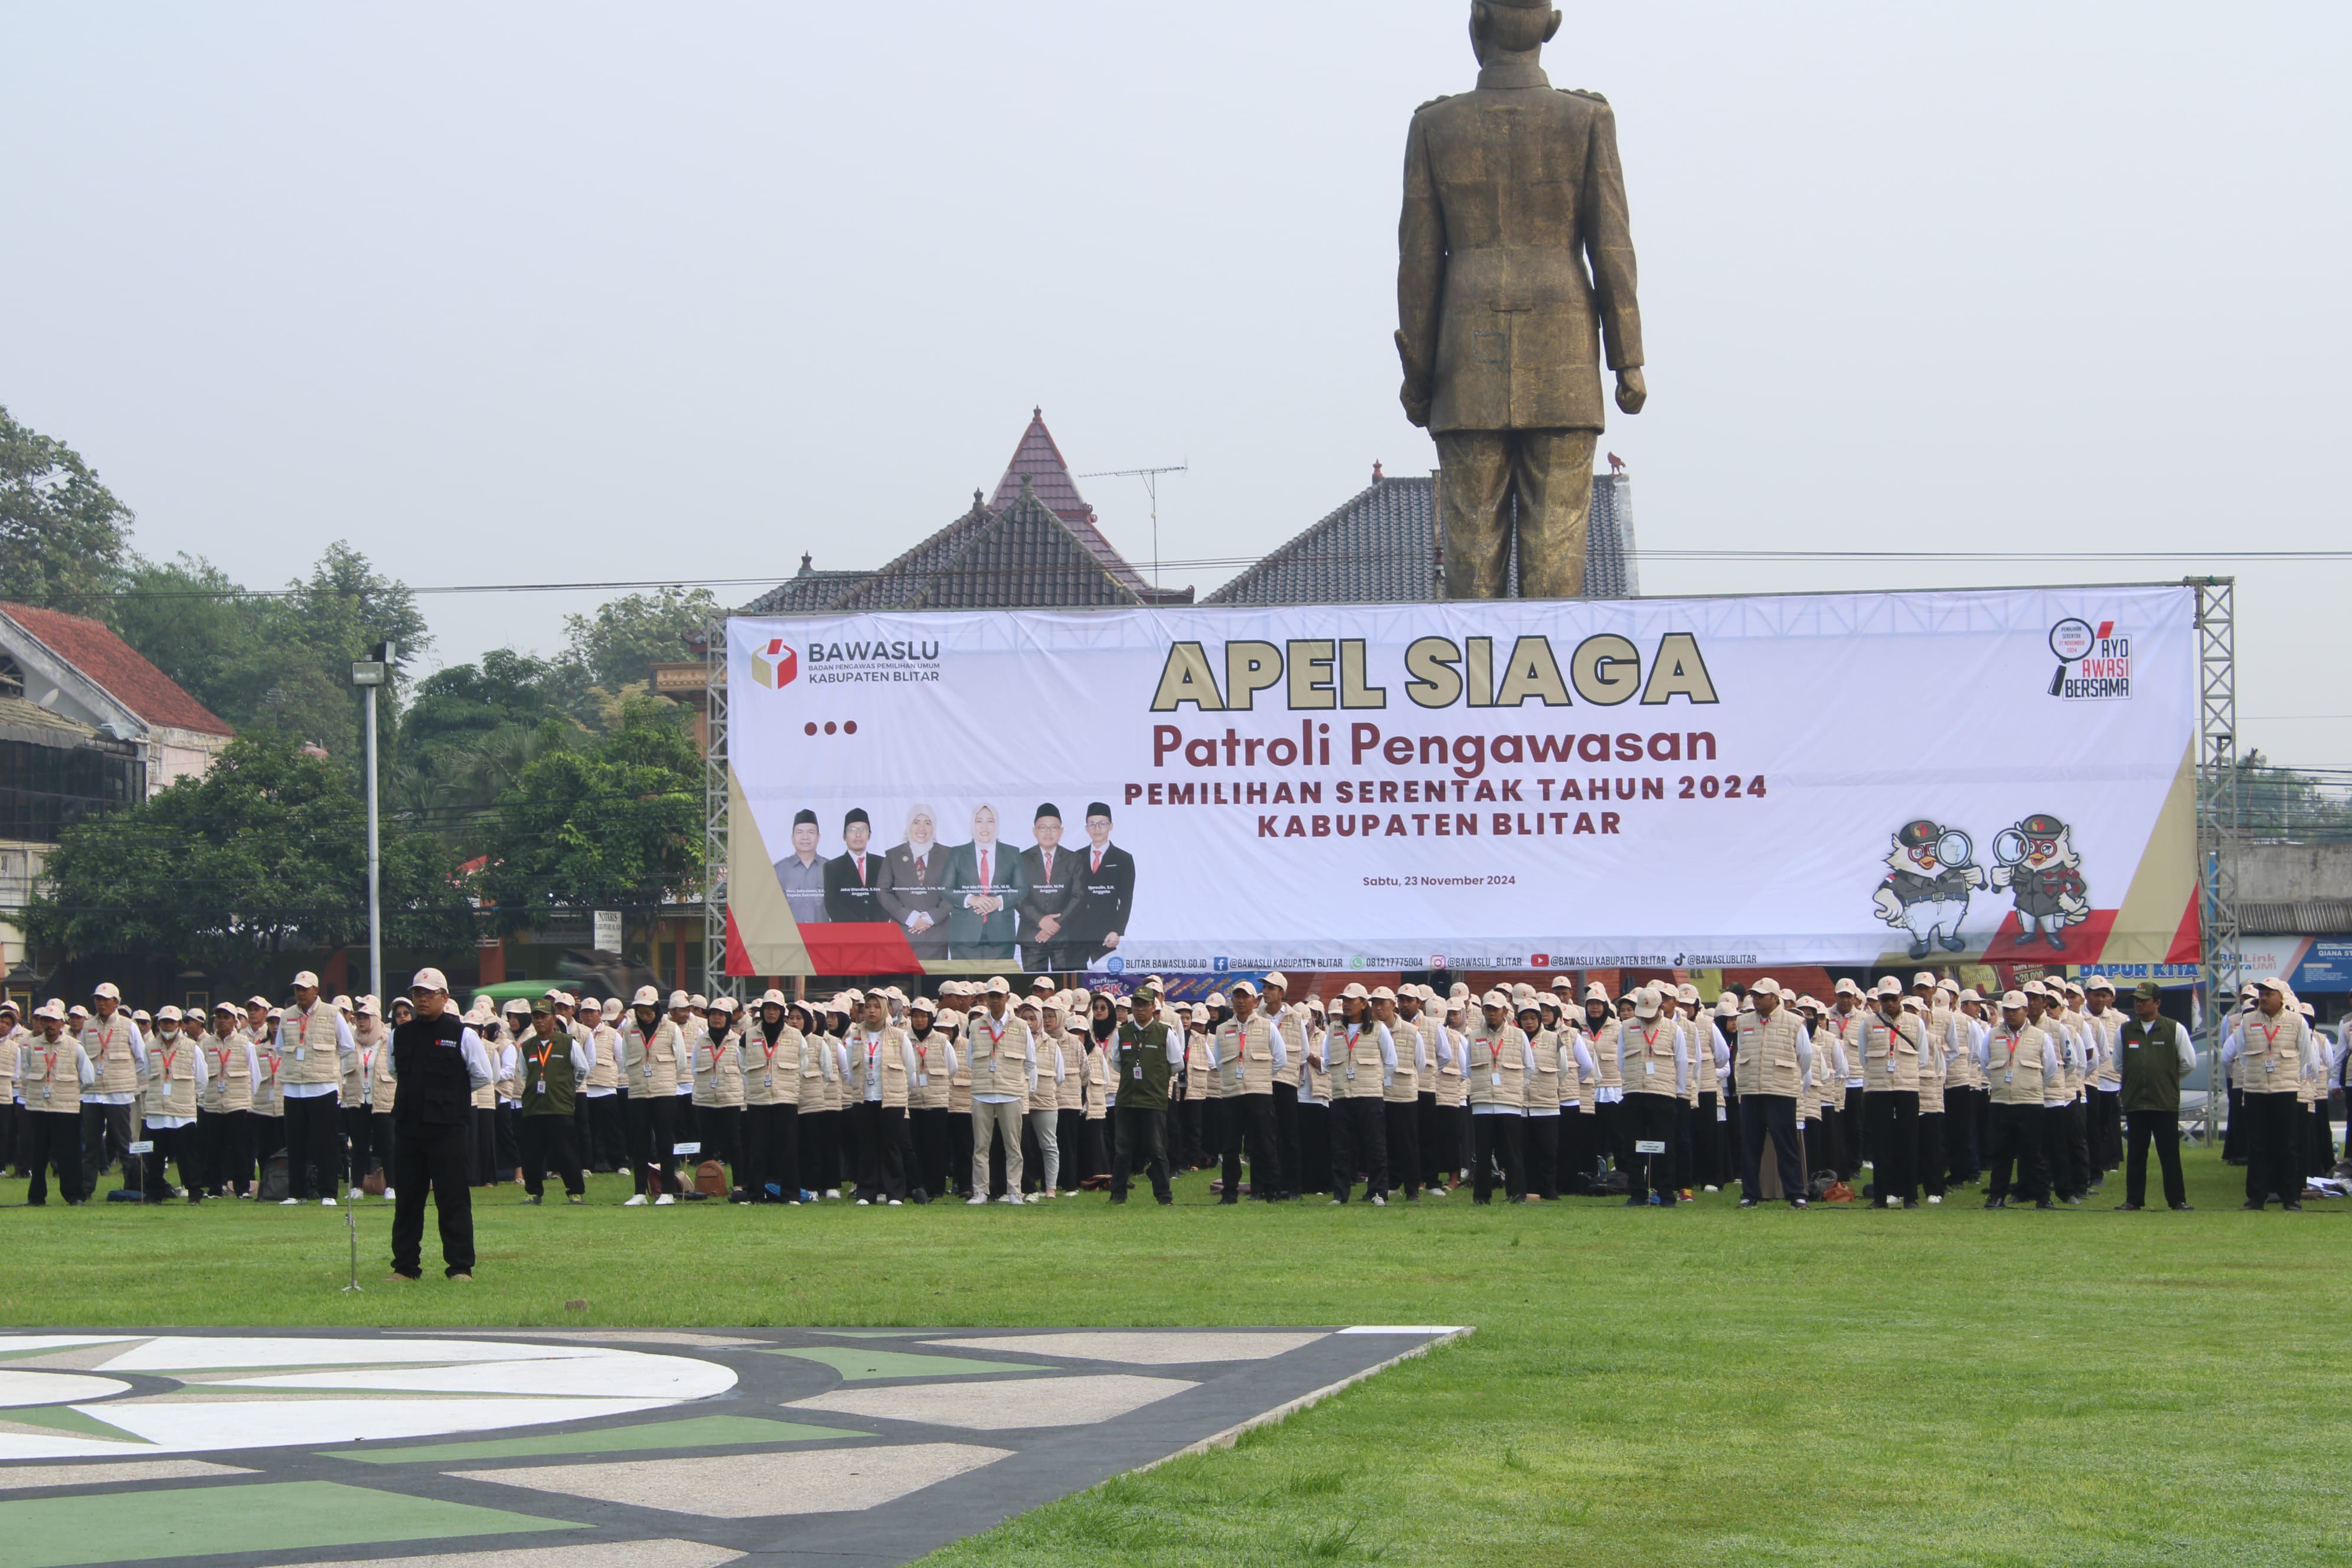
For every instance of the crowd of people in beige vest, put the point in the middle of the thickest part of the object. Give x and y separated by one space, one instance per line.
880 1097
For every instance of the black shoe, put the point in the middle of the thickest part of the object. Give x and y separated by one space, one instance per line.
1918 948
2182 1208
2252 1207
2129 1208
528 1203
1953 943
1229 1203
2045 1203
1634 1204
1996 1203
1747 1202
1796 1203
2054 939
2292 1206
2023 938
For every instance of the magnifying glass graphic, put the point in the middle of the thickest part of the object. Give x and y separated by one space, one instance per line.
2070 639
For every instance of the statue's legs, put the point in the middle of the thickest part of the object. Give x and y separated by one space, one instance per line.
1550 473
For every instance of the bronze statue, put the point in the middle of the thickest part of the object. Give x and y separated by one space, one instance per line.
1507 189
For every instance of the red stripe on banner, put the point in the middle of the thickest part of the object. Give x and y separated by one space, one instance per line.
2107 628
2081 943
865 947
738 959
2186 945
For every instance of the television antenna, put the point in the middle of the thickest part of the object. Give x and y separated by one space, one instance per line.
1150 478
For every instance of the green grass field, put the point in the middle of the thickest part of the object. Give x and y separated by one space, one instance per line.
1699 1386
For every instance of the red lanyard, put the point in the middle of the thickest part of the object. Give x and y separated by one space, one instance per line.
169 1057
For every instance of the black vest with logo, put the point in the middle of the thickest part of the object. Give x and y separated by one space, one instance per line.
436 1090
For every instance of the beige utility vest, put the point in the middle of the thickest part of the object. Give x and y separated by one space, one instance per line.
1543 1089
1498 1054
1453 1078
269 1076
960 1084
2015 1066
770 1072
368 1041
51 1073
383 1090
718 1071
1245 1054
607 1073
1000 1056
2079 1027
8 1044
227 1086
1405 1036
649 1063
1351 1055
1948 1028
1898 1073
1048 1095
310 1055
1199 1070
1649 1065
108 1045
1765 1059
1294 1026
2270 1052
929 1091
171 1077
1932 1061
883 1051
493 1052
1605 1073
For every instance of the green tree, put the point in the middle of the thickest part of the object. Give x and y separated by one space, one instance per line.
614 825
266 851
192 621
63 536
629 634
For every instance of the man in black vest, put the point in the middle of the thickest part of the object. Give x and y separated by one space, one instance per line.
2154 1056
1143 1063
439 1062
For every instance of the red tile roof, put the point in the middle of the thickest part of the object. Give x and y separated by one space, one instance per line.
125 674
1040 461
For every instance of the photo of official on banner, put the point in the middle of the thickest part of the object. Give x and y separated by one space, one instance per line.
1836 778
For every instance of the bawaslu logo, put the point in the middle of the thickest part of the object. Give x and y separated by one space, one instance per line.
2094 663
775 666
880 660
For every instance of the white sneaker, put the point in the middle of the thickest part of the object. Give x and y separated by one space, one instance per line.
357 1195
1011 1197
832 1192
1713 1188
862 1204
389 1194
975 1203
897 1204
663 1201
286 1203
1935 1197
1379 1202
326 1203
636 1201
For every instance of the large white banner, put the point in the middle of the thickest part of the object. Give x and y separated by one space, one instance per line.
1821 778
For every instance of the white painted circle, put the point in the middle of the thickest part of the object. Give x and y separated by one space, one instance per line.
18 1389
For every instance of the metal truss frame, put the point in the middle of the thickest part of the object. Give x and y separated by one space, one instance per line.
716 981
2219 823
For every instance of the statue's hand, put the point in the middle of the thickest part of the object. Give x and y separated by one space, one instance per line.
1415 395
1631 390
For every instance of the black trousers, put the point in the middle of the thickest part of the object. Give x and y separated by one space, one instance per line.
2078 1147
1359 1143
2106 1128
608 1144
1290 1143
53 1141
482 1152
2017 1141
1496 1137
1705 1142
314 1146
1579 1150
1140 1133
1825 1147
959 1152
1963 1150
12 1134
1542 1135
653 1130
1852 1121
1251 1117
1190 1156
105 1133
720 1129
880 1131
359 1138
2233 1137
929 1130
772 1152
182 1145
1773 1115
509 1155
2273 1165
1212 1133
1932 1127
2162 1128
1436 1170
1608 1121
550 1143
380 1143
435 1160
1312 1174
2321 1158
1895 1144
1649 1119
1403 1117
229 1148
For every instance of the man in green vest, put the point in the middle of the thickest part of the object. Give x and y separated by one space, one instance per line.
2156 1055
1143 1063
554 1065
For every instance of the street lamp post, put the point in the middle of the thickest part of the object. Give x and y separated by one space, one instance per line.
368 675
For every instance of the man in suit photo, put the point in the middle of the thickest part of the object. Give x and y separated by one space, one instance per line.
853 877
913 886
984 893
1105 893
1050 871
802 873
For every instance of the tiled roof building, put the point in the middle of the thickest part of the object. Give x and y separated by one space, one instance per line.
1381 547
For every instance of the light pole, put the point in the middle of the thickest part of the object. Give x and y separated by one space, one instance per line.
367 676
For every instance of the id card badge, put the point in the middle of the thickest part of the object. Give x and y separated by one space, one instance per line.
2009 1077
539 1088
302 1053
1498 1079
1649 1069
1139 1070
768 1081
45 1091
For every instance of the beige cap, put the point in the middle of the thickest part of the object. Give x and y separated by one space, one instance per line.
1243 988
169 1015
1562 983
1522 991
429 980
1494 999
922 1004
2073 990
369 1007
679 999
1972 995
1596 992
2035 988
1949 985
1278 978
304 977
698 1001
2099 983
515 1005
998 986
1153 983
1459 991
106 988
1042 983
1767 987
1647 1003
1382 994
2013 999
1216 999
1846 988
52 1008
1354 992
724 1004
1924 977
1890 986
1687 991
1726 1006
1913 1005
2272 982
775 996
646 997
8 1004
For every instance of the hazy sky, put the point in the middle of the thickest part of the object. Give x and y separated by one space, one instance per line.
573 292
